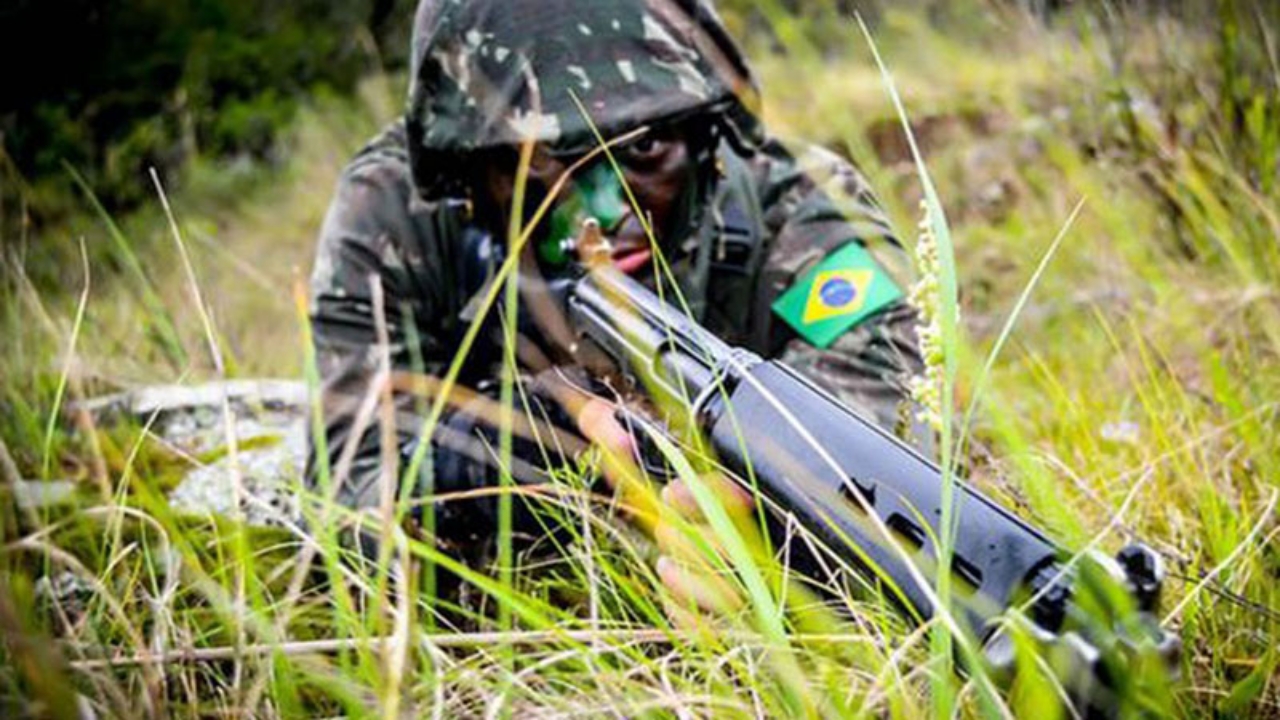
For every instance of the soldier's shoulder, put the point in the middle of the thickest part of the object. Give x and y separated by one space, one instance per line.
378 181
384 157
820 164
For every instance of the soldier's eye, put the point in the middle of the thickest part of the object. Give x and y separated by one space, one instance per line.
647 148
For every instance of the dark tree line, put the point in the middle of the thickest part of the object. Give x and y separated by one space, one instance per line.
111 87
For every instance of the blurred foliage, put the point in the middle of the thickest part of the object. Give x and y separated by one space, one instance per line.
139 84
143 83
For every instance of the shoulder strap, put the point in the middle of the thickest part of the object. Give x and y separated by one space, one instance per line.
730 247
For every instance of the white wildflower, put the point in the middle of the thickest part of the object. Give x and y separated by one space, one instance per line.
926 296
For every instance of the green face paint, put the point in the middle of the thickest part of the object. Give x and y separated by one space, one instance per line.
596 194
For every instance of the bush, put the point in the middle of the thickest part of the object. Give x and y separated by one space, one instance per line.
144 83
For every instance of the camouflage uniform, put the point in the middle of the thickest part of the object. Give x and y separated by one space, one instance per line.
491 73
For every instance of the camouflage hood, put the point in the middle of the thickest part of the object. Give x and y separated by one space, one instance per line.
493 73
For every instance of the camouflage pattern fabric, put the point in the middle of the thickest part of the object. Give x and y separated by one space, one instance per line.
496 73
389 240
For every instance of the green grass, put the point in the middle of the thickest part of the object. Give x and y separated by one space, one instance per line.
1117 364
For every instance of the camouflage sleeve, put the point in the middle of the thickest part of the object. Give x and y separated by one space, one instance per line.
813 205
375 230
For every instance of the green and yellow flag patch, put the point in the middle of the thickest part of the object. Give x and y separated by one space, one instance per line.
843 290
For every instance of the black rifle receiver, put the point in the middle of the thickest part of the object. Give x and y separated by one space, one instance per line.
852 486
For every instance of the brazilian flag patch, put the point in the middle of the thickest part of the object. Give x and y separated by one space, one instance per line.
843 290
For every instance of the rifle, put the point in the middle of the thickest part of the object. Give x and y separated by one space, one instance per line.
874 502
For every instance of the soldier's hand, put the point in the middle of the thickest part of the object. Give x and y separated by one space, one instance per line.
692 556
688 565
598 423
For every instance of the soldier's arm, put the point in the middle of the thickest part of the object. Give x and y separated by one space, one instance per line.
815 206
375 229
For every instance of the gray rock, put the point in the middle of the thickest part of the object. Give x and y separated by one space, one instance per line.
270 428
270 475
163 399
36 495
64 593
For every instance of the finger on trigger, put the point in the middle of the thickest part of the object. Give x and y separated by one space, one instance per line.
676 541
735 499
682 618
690 544
707 591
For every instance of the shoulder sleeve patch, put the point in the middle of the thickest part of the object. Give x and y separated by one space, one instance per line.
847 287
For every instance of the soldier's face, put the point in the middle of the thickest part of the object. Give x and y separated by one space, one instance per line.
658 167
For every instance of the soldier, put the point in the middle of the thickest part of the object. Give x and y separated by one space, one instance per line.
772 251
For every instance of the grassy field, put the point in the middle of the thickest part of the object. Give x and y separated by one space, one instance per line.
1119 175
